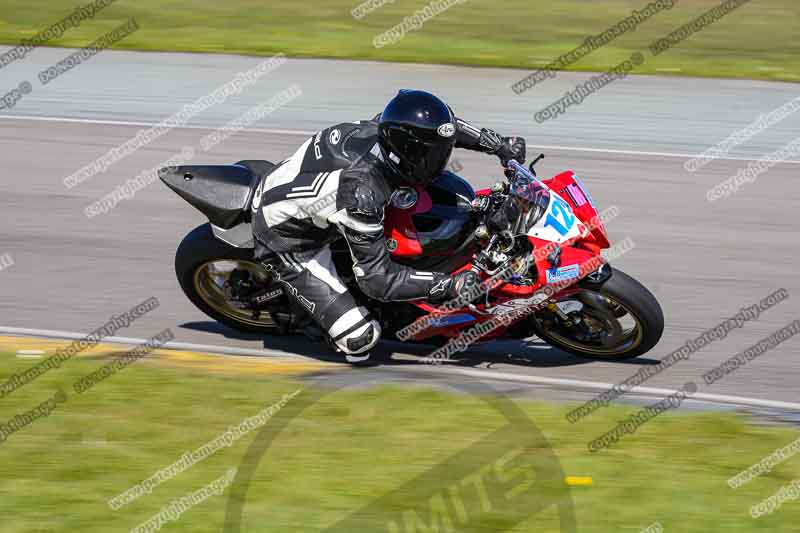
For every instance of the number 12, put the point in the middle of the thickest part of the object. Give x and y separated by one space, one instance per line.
563 220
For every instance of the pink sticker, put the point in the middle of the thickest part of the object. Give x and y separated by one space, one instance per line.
577 195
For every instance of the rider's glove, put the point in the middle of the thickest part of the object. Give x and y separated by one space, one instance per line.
511 148
505 148
462 285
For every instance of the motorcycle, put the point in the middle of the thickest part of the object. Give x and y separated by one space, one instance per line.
525 237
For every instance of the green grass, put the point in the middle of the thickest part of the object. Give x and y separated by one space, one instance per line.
350 448
758 40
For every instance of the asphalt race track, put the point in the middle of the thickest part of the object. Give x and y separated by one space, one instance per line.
704 261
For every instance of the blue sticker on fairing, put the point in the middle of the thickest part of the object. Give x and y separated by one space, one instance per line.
563 274
451 320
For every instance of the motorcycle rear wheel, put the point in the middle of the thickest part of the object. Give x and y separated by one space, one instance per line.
601 332
203 265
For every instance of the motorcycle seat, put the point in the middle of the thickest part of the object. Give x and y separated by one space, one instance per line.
260 169
221 192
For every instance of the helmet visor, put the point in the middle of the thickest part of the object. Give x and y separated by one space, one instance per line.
423 156
427 160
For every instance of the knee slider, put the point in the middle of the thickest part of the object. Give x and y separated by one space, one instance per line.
362 339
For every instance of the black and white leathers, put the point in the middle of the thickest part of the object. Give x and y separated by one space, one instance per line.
337 186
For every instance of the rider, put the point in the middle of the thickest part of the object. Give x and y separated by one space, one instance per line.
336 185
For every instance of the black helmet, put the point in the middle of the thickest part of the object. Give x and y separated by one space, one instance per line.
417 134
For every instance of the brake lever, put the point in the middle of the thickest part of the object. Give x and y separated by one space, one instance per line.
533 163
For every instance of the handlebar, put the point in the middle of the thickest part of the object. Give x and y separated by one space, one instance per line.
513 165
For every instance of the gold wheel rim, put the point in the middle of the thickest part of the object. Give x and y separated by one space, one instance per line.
210 282
631 337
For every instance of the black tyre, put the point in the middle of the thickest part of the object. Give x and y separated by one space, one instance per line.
203 265
599 329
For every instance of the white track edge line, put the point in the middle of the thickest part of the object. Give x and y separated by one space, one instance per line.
486 374
309 133
145 124
647 391
226 350
653 154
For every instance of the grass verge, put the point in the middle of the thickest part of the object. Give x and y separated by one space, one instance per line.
758 40
340 457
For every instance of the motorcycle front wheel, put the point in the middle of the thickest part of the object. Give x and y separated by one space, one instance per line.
613 320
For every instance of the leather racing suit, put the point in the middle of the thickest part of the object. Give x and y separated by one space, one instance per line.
336 186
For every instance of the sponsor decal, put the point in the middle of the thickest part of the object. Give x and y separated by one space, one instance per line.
404 198
576 194
584 191
510 305
446 130
452 320
440 287
563 274
391 245
569 306
257 197
317 151
335 137
307 303
269 296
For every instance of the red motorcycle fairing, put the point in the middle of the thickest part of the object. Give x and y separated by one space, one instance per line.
405 242
569 187
436 233
401 234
